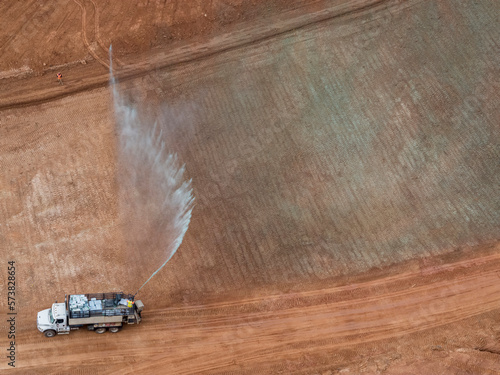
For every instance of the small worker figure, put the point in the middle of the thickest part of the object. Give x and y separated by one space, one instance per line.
59 78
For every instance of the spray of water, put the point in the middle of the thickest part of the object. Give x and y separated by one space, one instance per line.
156 201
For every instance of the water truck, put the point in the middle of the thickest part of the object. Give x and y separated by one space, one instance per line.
98 311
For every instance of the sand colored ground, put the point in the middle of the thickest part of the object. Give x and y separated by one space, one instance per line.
344 158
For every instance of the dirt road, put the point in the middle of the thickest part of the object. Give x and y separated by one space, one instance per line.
344 158
310 332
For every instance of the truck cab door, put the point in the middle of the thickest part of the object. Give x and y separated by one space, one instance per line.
61 325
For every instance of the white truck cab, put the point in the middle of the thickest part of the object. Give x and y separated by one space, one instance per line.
53 320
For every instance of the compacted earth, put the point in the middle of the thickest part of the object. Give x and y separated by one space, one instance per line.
344 159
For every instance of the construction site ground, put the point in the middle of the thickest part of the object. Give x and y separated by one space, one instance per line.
344 158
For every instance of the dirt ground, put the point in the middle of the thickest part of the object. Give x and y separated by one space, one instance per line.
344 157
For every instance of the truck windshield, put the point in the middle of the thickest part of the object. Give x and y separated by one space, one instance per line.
51 318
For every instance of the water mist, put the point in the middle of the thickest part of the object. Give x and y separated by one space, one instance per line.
155 200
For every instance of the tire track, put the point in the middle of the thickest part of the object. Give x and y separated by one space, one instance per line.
260 303
214 337
84 34
275 336
98 35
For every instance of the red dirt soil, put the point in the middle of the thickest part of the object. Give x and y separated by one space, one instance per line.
344 157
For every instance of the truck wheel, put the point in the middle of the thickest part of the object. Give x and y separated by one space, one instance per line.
49 333
114 329
100 330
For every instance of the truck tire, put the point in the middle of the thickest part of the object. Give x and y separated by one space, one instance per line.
100 330
49 333
114 329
